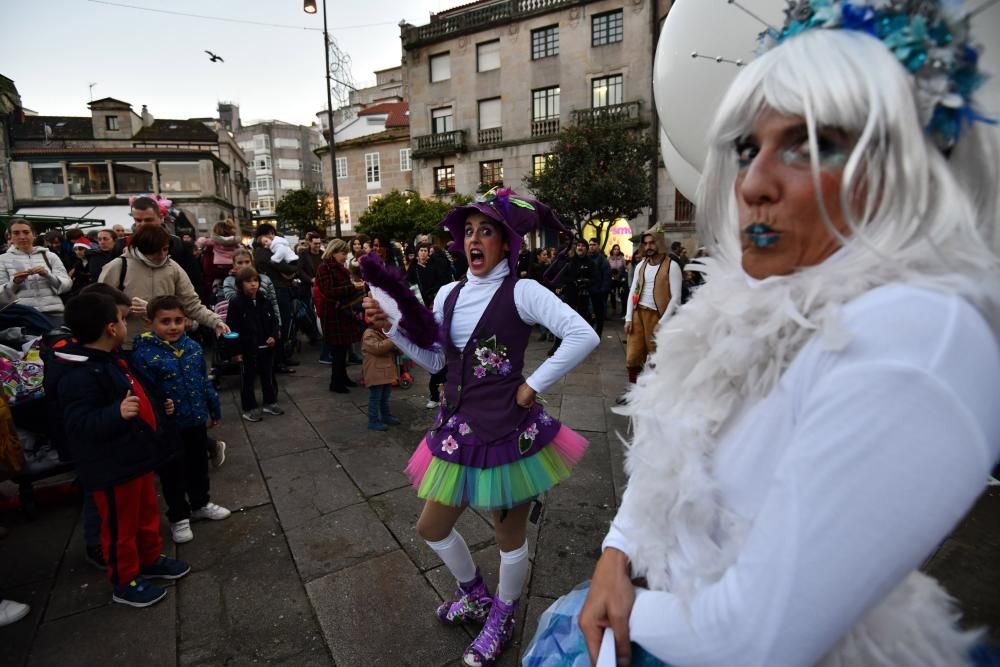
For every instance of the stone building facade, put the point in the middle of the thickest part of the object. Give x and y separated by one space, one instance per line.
67 166
281 158
491 83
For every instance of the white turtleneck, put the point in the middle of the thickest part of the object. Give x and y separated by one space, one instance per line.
535 305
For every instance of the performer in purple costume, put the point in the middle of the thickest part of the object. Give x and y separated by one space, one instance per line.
491 446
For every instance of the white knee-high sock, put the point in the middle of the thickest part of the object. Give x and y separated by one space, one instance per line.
454 552
513 573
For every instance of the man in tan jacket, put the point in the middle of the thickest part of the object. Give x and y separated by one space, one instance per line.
654 296
145 270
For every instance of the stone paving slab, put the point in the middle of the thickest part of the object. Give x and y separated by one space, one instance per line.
338 540
583 413
377 465
114 634
568 549
244 601
239 482
16 640
33 549
306 485
399 511
377 613
591 485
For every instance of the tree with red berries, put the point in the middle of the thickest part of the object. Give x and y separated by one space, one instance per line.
597 173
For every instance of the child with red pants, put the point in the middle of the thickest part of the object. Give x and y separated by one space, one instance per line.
122 432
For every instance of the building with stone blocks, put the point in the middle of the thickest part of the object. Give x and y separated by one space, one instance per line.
373 158
88 167
10 112
490 84
281 158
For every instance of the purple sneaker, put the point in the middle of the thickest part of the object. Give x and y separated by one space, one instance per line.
470 603
494 637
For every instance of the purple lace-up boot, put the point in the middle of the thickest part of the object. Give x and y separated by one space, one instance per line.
470 603
494 637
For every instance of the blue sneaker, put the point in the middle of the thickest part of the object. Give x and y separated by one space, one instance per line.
165 568
377 426
138 593
391 421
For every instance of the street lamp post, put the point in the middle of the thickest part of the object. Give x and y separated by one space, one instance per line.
309 7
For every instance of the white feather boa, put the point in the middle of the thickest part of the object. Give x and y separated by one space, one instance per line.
719 355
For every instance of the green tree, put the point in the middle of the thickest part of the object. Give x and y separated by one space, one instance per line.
403 215
598 173
302 210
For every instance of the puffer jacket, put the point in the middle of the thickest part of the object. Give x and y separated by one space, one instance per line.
178 370
146 281
229 291
39 292
106 448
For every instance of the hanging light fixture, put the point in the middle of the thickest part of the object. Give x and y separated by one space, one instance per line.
309 6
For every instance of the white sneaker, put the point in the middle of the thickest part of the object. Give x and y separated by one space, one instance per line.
219 457
12 612
211 511
181 531
431 405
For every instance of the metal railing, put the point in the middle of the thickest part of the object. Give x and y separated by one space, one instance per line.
491 135
627 112
544 128
440 143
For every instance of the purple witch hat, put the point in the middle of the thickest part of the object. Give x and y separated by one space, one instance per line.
517 215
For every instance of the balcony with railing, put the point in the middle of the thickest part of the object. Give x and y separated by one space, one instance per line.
626 113
545 128
439 143
490 135
448 24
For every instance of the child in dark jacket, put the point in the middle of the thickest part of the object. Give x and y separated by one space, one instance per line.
121 434
251 316
176 364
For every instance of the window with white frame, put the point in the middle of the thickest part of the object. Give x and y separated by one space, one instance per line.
264 184
262 163
246 146
345 210
606 28
111 123
442 120
372 199
405 163
265 204
341 167
440 65
316 167
488 56
47 180
287 142
289 163
179 176
607 90
373 172
261 142
291 183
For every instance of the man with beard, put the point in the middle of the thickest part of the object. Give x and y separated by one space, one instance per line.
654 296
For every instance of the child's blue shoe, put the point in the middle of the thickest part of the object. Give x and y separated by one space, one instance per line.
138 593
165 568
377 426
390 420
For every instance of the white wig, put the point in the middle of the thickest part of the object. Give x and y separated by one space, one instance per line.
933 216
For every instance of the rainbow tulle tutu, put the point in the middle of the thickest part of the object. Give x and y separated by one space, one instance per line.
499 487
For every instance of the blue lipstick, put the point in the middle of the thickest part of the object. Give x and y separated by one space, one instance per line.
761 235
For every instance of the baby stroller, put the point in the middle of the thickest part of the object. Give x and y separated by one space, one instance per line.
222 351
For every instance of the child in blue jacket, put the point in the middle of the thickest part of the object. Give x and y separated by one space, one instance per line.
176 364
121 431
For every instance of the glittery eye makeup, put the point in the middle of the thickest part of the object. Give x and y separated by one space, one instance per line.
832 144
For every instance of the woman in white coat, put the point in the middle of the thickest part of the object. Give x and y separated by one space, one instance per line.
31 274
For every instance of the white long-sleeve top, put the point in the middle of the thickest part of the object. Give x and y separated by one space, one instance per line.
675 278
535 305
847 475
38 291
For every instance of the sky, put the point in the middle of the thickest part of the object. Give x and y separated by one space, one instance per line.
53 49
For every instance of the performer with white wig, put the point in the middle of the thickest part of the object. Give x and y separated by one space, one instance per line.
824 412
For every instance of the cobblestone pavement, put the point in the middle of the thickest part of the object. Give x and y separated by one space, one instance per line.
320 563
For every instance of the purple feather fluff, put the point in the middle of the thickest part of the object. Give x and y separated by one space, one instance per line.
416 319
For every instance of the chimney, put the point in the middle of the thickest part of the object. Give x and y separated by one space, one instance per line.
147 118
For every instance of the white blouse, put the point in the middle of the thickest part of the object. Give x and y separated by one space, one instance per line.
848 474
535 305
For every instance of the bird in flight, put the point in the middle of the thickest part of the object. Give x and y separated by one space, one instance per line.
214 57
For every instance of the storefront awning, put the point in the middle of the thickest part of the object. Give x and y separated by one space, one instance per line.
79 216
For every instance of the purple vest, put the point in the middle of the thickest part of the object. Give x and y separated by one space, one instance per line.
480 423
